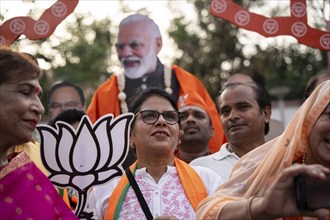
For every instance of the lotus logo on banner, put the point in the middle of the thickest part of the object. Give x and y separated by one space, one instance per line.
295 25
42 28
86 157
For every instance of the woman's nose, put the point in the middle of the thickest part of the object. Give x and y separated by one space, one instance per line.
161 119
38 107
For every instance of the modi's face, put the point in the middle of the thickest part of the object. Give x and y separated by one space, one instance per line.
136 50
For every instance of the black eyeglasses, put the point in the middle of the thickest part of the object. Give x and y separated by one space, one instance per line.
134 45
151 116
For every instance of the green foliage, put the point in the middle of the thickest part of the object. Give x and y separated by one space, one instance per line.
206 46
211 50
86 54
81 56
289 66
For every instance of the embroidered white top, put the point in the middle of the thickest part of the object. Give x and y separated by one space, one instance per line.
167 197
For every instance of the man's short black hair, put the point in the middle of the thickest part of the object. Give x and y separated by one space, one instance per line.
262 97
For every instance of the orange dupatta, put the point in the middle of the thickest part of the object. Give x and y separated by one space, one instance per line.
105 100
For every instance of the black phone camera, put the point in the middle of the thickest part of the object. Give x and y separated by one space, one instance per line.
312 193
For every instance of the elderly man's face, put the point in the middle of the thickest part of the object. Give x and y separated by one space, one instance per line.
136 50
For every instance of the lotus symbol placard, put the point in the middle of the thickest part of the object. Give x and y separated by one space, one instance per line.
87 156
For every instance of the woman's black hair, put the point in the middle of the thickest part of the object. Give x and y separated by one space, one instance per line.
142 96
69 116
262 97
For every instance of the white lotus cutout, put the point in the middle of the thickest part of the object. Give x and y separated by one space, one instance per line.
88 156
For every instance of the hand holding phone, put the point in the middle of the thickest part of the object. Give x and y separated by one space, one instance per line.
312 193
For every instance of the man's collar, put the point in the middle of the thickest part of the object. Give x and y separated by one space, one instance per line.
223 153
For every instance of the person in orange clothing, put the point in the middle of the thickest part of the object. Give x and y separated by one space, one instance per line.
263 184
138 42
196 127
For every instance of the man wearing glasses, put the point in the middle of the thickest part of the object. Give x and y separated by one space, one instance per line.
64 95
138 43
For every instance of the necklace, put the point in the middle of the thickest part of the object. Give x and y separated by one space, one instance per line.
121 86
304 159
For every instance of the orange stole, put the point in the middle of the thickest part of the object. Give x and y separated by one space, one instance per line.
189 82
193 186
67 199
105 100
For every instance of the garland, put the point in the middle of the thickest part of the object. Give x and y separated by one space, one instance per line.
121 86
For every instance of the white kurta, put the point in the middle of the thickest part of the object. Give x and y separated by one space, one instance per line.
167 197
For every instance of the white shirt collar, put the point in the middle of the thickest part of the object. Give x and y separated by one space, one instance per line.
223 153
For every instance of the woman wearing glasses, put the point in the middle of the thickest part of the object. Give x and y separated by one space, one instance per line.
157 184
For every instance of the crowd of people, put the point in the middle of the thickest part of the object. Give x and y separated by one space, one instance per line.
189 157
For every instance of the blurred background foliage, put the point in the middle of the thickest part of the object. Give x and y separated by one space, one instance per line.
211 48
214 50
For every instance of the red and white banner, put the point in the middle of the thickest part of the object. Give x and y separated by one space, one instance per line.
295 25
13 28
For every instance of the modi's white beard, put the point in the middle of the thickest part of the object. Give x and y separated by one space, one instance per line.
147 64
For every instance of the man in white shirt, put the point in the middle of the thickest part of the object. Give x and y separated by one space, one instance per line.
245 111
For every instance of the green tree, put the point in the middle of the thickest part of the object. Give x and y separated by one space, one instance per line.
82 56
206 46
211 49
289 66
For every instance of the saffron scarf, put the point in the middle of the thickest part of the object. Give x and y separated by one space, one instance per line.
193 186
105 100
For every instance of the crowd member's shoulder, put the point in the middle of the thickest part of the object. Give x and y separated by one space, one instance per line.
200 160
210 179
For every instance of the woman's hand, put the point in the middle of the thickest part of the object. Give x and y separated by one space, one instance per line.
280 198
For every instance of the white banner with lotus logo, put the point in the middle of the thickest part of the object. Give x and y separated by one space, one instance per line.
87 156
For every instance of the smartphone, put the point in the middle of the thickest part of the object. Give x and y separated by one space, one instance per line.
312 193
